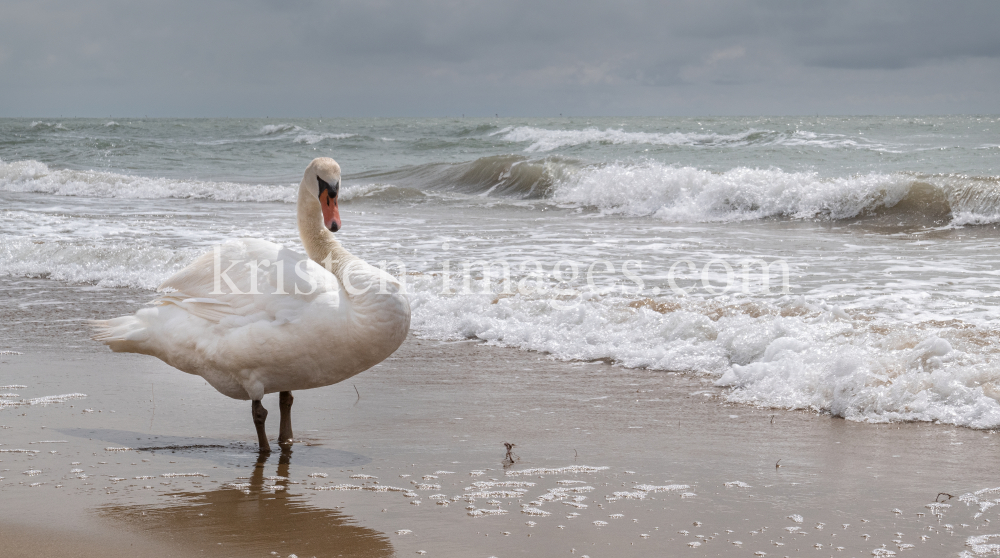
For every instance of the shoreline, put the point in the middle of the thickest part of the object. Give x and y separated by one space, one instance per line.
437 407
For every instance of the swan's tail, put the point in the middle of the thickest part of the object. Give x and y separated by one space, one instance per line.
124 335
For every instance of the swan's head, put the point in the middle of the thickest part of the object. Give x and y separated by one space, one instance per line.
323 179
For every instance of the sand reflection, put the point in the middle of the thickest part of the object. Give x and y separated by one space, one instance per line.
253 516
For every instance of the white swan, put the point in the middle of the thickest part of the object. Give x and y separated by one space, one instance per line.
253 317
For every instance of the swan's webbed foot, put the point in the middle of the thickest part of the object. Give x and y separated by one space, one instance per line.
285 401
259 417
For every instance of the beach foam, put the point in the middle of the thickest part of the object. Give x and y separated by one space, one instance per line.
787 353
113 264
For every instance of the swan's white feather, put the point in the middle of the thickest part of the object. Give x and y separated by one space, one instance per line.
290 325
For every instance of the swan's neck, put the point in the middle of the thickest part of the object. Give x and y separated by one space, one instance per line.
319 242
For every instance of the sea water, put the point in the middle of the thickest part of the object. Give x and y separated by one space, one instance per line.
843 265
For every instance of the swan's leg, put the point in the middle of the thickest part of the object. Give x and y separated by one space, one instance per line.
259 416
285 401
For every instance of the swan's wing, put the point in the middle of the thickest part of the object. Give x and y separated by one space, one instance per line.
206 308
248 278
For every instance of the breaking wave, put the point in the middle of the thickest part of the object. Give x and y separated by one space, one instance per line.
115 264
645 189
542 140
379 192
687 194
510 176
33 176
299 134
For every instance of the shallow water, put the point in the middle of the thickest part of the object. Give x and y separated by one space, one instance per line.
633 241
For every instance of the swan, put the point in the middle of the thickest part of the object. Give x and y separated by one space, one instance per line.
252 317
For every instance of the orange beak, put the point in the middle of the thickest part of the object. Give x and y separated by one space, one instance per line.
331 214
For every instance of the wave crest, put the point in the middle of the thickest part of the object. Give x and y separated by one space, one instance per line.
687 194
690 194
301 135
34 176
647 189
272 129
547 140
379 192
543 140
314 138
510 176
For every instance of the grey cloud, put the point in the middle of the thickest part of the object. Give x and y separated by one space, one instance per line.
892 35
519 57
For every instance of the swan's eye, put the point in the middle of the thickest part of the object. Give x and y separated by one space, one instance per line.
325 186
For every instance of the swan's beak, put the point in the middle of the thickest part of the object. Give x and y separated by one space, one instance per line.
331 214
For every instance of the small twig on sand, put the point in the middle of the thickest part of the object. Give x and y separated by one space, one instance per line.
776 464
357 392
511 457
575 455
940 494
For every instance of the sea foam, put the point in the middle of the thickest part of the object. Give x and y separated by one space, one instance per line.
635 189
299 134
36 177
689 194
783 353
106 264
542 139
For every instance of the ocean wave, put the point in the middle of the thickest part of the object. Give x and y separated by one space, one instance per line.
300 134
542 140
644 189
508 176
786 353
34 176
379 192
314 138
690 194
511 176
970 200
102 263
272 129
686 194
40 124
548 140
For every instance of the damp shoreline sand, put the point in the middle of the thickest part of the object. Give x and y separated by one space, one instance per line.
443 410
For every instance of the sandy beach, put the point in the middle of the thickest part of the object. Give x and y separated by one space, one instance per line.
612 462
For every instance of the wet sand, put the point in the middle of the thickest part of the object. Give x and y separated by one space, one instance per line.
443 410
385 464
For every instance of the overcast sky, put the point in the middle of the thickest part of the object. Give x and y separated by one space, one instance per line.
511 57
